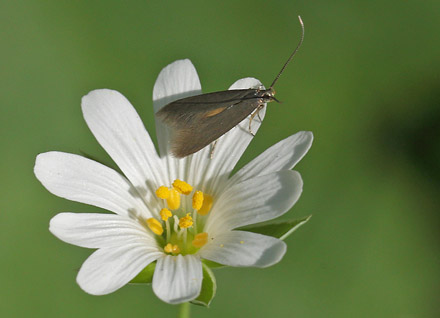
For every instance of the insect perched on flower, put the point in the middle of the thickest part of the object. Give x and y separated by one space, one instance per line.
170 212
196 121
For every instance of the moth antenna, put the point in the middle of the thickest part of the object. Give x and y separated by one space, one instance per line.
291 55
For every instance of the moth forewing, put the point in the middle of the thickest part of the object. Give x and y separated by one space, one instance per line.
199 120
185 111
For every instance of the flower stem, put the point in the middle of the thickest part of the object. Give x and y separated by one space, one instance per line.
184 310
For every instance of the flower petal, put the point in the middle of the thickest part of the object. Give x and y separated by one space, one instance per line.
255 200
83 180
108 269
94 230
237 248
118 128
177 80
282 156
178 279
228 149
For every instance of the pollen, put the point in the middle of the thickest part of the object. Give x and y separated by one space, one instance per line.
165 214
170 248
200 239
186 221
173 200
197 200
163 192
182 187
206 205
155 226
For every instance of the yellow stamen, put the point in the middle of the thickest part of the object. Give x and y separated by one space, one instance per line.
200 239
163 192
168 248
173 200
197 200
165 214
155 226
206 206
185 221
241 242
182 187
176 249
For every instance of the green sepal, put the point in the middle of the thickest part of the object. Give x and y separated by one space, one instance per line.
209 287
278 229
212 264
145 276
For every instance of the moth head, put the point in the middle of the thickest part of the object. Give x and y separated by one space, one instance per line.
268 95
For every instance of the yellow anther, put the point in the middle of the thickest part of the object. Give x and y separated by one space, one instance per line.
163 192
165 214
176 249
200 239
155 226
186 221
206 206
221 245
182 187
173 200
241 242
197 200
168 248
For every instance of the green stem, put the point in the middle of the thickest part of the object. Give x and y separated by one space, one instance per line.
184 310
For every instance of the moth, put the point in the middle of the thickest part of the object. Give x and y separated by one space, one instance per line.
200 120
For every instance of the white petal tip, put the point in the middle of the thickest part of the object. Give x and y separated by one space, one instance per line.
178 279
246 83
99 96
90 289
176 301
272 255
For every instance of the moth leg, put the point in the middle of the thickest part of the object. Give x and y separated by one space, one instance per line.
211 154
255 113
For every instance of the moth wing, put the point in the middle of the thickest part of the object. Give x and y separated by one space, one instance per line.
192 110
199 120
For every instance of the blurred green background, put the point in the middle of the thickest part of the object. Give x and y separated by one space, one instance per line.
366 82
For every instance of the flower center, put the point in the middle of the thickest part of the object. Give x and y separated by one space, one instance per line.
179 225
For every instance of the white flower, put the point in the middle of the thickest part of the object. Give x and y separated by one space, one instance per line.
141 231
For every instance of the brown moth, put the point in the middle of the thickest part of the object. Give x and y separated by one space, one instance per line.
199 120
